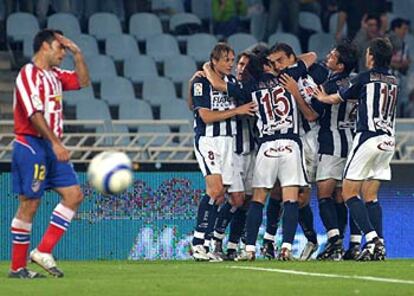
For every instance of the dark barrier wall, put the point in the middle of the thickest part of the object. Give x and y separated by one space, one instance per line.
155 218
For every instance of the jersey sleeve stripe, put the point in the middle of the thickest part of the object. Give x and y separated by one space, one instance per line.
22 96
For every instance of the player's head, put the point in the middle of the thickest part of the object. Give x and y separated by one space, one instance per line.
242 61
52 50
262 51
373 25
282 56
254 68
343 58
379 53
400 27
222 58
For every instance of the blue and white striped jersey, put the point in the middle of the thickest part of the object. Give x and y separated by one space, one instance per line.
277 115
376 92
204 96
337 122
244 141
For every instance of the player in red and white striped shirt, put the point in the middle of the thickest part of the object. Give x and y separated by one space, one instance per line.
40 161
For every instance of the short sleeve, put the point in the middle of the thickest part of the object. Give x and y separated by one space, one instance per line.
318 72
200 91
240 92
352 93
297 70
69 79
28 84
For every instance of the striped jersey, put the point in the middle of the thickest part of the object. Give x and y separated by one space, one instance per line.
205 96
244 140
306 84
277 114
39 90
376 92
337 122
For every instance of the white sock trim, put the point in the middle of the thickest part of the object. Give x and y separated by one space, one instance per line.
218 235
199 235
356 239
287 246
370 236
232 246
250 248
17 223
269 236
333 232
65 212
207 243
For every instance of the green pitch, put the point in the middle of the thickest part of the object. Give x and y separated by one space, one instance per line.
393 277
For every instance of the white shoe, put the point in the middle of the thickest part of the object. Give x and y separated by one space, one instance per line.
246 256
199 253
45 261
214 257
308 251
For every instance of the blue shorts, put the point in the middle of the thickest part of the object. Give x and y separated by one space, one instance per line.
35 168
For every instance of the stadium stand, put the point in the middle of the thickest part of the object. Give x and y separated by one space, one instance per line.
121 47
20 25
144 25
116 90
162 46
65 22
104 24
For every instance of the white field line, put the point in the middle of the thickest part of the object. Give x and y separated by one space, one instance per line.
316 274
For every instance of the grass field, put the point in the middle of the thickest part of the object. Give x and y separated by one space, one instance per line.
393 277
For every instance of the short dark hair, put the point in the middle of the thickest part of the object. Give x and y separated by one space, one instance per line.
242 54
286 48
254 67
220 49
375 17
381 50
46 35
398 22
347 55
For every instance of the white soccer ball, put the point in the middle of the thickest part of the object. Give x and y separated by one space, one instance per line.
110 172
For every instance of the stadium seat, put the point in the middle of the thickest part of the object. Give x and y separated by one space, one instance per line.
172 6
162 47
115 90
404 9
21 24
200 45
144 25
100 67
202 9
135 109
185 23
310 21
321 43
27 46
87 44
104 24
120 141
151 130
179 68
65 22
288 38
241 41
67 63
158 90
92 109
139 68
73 97
333 24
177 110
121 47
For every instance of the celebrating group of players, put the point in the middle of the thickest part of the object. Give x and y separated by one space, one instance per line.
283 124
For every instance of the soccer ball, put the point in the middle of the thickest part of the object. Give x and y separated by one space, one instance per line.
110 172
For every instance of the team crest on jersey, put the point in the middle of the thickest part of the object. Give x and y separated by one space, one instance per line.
198 89
36 185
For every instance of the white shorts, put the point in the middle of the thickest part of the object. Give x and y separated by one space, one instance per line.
370 158
330 167
243 166
310 148
215 157
279 160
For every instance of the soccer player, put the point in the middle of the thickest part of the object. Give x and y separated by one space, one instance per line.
279 156
373 147
40 161
215 126
286 62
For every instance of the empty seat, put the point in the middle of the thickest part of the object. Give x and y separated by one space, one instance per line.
173 6
104 24
200 45
28 46
65 22
176 109
162 46
153 130
287 38
67 63
144 25
100 67
74 96
21 24
92 109
121 47
158 90
310 21
185 23
333 24
139 68
135 109
116 89
87 44
321 43
179 68
241 41
202 9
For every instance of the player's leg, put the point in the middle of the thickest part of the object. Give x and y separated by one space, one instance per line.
273 212
306 223
341 211
355 241
237 229
370 194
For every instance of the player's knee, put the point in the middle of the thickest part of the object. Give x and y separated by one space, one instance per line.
237 199
216 192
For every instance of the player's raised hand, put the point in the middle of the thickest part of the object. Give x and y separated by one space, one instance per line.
288 83
67 43
247 109
62 154
319 93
